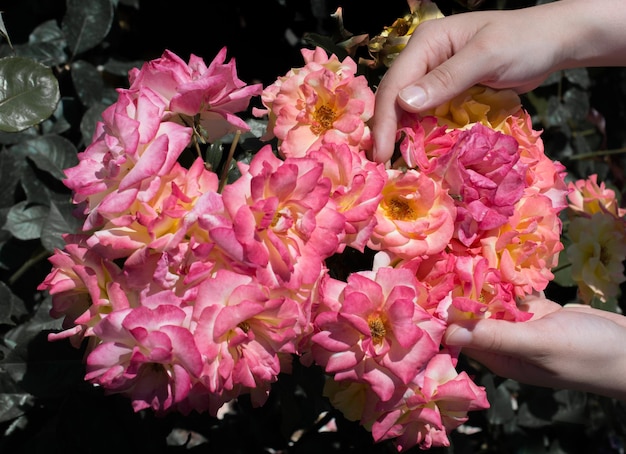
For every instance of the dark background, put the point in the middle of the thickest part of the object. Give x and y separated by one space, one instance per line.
62 413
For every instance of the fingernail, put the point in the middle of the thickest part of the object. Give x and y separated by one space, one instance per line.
413 95
576 305
458 335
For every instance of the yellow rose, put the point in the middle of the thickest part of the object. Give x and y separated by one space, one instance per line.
597 251
384 48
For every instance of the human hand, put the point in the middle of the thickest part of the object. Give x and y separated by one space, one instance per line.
573 347
514 49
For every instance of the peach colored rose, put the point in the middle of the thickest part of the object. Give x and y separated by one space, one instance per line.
322 102
587 197
356 185
415 217
527 247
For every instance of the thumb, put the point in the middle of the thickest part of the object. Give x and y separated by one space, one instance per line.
497 336
442 83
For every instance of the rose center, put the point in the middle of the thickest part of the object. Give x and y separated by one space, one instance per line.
377 329
245 327
323 119
401 26
401 210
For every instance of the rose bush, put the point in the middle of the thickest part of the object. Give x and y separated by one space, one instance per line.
195 286
212 286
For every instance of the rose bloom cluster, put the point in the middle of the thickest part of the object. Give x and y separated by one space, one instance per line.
597 234
188 295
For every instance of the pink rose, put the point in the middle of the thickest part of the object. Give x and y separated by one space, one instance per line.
422 141
215 93
127 161
356 189
527 247
380 334
483 171
84 288
322 102
147 354
241 327
434 404
415 217
587 197
282 218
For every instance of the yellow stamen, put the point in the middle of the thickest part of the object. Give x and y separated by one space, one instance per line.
401 26
245 327
377 329
324 118
400 210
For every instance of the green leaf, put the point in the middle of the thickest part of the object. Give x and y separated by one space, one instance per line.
56 123
48 54
60 221
37 191
133 3
34 188
563 271
501 409
3 30
214 154
325 43
11 307
121 68
87 82
11 168
29 93
14 402
89 120
11 138
26 221
572 406
46 44
51 154
556 114
86 23
578 76
576 103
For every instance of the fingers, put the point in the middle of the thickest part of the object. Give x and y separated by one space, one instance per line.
384 126
539 306
500 336
487 335
433 67
508 366
409 66
455 75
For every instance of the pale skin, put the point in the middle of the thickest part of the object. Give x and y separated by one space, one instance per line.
501 49
574 347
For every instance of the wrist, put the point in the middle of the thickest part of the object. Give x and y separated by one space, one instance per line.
590 33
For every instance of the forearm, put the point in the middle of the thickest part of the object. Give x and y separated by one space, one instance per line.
591 33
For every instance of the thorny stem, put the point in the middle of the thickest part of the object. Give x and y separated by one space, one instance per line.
229 158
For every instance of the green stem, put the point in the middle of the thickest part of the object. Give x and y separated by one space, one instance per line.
561 268
26 266
229 158
597 154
